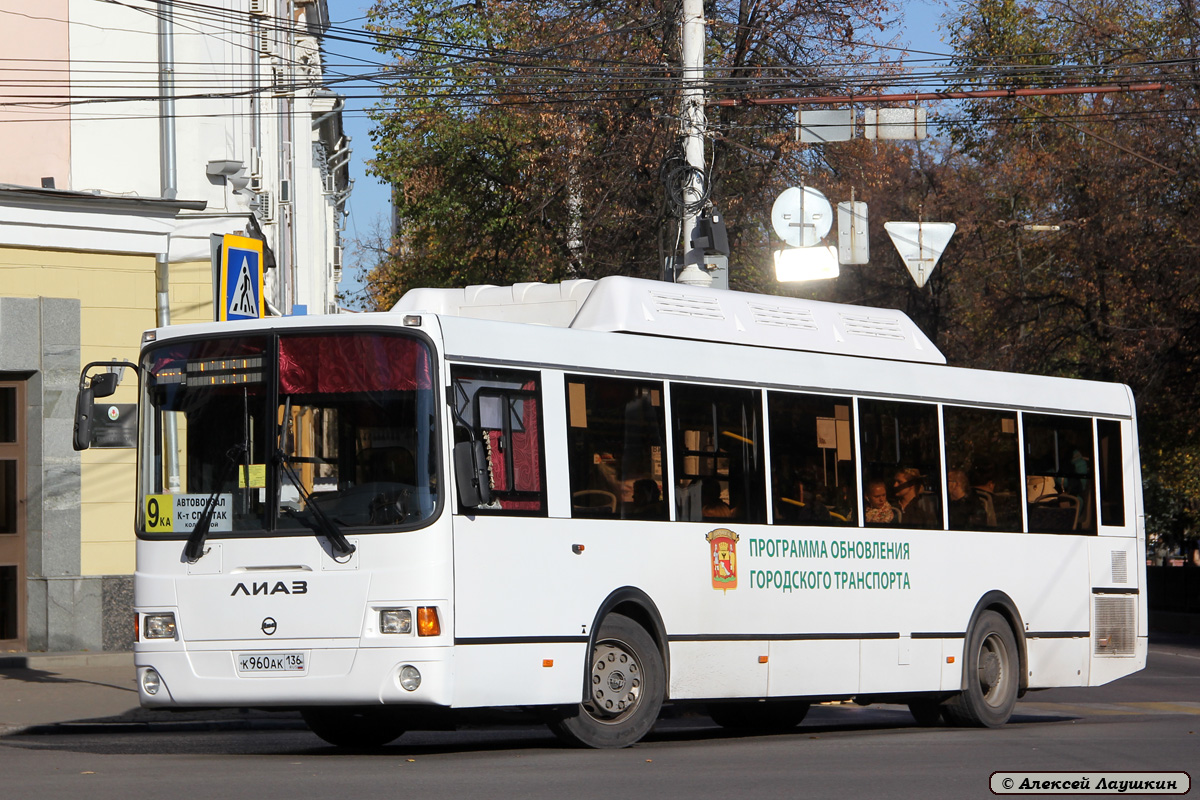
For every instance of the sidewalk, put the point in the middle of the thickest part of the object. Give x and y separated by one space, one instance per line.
79 692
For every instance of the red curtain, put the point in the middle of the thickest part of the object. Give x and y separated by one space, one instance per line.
527 471
352 363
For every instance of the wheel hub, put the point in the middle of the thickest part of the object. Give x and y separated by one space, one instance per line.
616 681
992 675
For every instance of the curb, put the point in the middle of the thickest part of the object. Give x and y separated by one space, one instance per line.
65 660
91 727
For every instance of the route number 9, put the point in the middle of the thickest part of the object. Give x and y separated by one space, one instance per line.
159 510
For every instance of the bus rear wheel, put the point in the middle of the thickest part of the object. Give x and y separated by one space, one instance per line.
990 676
625 682
771 716
356 728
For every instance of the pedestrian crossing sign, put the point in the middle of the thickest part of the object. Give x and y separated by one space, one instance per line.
241 295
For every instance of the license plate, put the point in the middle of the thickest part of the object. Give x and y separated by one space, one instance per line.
270 662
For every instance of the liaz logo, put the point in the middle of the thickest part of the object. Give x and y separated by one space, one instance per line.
297 587
723 544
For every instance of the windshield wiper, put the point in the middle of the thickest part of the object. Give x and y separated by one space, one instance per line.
317 520
192 550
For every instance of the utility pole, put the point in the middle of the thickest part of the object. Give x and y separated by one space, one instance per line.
692 117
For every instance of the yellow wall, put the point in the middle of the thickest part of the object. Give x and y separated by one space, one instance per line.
191 292
116 294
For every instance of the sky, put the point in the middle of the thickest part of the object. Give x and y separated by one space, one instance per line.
369 202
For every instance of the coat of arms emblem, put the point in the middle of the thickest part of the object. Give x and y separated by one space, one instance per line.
723 544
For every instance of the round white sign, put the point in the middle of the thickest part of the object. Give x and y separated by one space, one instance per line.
801 216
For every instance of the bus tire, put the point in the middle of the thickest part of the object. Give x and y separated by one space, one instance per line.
626 683
991 676
771 716
355 728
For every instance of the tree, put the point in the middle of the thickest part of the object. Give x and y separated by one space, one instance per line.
525 140
1108 293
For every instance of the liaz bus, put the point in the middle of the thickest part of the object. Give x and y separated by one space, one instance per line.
592 498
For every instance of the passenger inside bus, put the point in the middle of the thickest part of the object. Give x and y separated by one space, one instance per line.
710 499
878 510
966 508
984 487
647 501
917 509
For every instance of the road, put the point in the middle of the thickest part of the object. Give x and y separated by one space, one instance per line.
1148 721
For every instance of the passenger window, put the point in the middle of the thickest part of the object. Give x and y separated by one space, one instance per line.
615 435
718 454
502 408
1112 473
1059 485
983 469
812 459
901 464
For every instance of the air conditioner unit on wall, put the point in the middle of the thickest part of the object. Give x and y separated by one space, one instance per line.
263 206
259 6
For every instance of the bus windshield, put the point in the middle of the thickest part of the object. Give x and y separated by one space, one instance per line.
271 432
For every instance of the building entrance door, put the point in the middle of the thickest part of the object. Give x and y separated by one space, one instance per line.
12 515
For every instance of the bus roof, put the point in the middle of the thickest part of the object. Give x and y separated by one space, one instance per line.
654 308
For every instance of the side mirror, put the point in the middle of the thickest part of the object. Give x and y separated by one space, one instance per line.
471 475
101 384
104 384
83 418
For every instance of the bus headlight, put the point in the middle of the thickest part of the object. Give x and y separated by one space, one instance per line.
395 620
160 626
410 677
151 681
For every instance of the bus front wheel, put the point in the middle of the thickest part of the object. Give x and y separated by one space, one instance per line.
625 683
990 676
356 728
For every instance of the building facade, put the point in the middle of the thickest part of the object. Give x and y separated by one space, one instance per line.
133 134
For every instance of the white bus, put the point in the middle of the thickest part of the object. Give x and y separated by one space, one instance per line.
594 497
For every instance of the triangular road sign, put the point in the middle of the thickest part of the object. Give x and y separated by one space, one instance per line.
920 244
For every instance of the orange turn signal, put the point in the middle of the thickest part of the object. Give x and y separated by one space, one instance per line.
428 623
949 659
547 662
762 659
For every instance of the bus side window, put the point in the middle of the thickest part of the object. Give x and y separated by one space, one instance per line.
1112 472
900 447
1059 485
615 435
719 469
503 410
983 469
812 459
